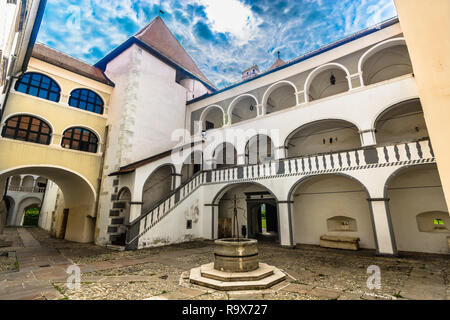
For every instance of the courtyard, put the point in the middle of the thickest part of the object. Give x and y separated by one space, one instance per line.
35 266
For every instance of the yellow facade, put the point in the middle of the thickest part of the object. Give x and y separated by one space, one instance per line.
77 173
426 27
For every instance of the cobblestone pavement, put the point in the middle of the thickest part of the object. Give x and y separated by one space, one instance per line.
313 273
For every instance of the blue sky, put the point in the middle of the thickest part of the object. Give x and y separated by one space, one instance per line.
223 37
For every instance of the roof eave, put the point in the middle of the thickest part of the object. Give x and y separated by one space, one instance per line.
133 40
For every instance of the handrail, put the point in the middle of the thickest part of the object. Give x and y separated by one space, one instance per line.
135 224
157 204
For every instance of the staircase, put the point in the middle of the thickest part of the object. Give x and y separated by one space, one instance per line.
357 159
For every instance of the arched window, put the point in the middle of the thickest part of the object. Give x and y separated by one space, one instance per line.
38 85
80 139
87 100
27 128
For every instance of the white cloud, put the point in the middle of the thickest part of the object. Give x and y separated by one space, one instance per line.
231 16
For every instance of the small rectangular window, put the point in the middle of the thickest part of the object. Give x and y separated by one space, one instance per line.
438 221
189 224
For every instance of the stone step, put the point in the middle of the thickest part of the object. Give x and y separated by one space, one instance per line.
115 247
197 278
264 271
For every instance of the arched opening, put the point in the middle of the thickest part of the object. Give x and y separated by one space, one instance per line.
243 108
158 185
31 215
15 182
259 149
332 205
279 96
38 85
212 118
256 210
326 81
73 214
192 165
225 155
86 99
385 61
80 139
119 222
27 128
418 210
321 137
403 122
27 184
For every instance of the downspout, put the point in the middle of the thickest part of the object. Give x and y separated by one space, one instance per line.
100 178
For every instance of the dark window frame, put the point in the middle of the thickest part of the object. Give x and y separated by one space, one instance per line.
70 141
39 85
87 100
28 130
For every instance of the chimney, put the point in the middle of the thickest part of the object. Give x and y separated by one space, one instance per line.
250 72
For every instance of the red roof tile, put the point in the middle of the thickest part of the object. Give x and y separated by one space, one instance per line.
69 63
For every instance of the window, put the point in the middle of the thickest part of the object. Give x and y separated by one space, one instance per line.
209 125
80 139
38 85
27 128
86 100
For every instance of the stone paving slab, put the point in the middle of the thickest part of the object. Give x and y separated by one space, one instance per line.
160 273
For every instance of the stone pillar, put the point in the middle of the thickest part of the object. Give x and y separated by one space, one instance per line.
176 180
285 223
382 226
135 210
211 221
368 137
240 159
280 152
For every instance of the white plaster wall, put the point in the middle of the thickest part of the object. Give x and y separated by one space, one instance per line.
409 197
48 206
324 197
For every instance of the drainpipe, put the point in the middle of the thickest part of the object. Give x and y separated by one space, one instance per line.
100 178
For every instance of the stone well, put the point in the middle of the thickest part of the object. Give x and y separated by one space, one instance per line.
236 255
236 267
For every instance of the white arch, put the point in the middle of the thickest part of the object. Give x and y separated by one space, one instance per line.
316 71
375 49
274 86
19 168
205 112
390 106
236 100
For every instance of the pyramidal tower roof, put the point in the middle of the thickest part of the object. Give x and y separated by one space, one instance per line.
278 63
158 36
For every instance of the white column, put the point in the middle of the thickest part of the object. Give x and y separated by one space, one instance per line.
382 226
285 224
135 210
240 159
368 137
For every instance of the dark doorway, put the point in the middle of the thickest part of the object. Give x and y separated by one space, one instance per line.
262 217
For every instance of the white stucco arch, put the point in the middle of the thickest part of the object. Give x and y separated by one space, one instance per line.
205 113
236 100
375 49
58 174
272 88
390 106
318 70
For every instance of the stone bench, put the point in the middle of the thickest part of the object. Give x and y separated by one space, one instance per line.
339 242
